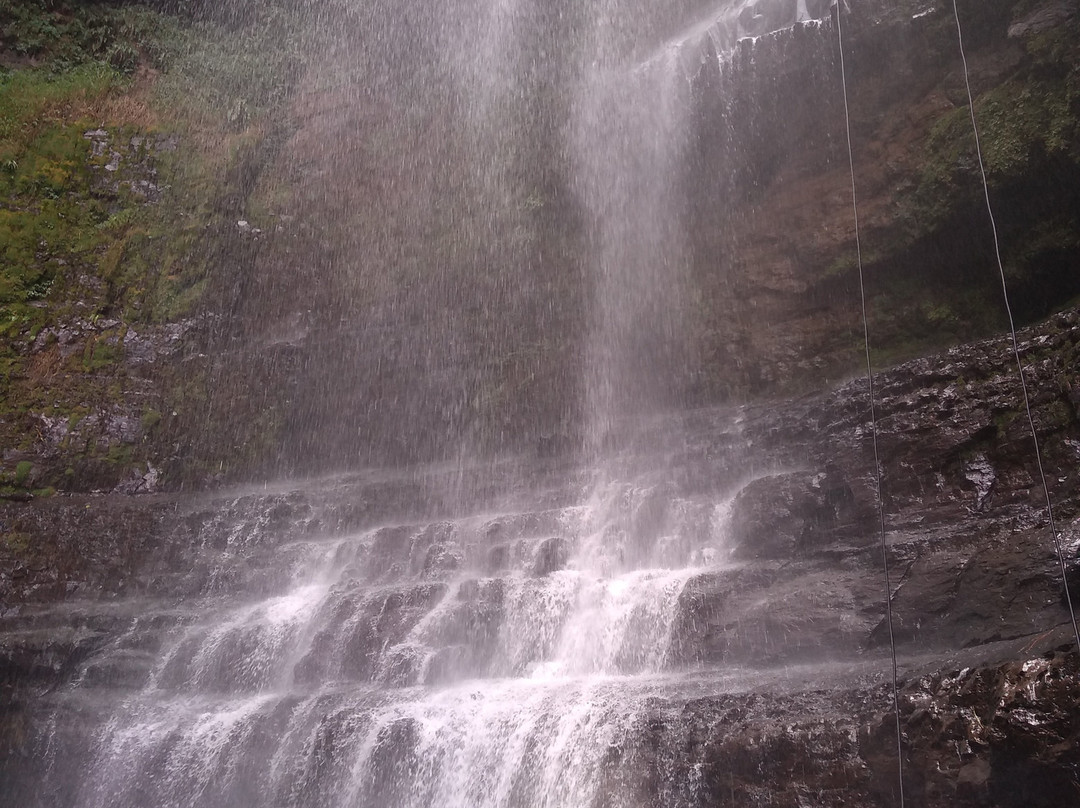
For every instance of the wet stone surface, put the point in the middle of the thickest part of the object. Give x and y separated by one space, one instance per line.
367 628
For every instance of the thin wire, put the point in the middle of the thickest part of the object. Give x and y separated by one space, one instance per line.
1012 331
873 415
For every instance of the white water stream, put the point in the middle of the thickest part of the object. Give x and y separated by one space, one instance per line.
379 677
494 660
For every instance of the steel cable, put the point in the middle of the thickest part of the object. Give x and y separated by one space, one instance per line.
1012 332
873 415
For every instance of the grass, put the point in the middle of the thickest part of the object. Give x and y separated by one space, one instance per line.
78 242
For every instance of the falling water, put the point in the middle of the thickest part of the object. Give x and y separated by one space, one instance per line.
627 130
473 661
475 655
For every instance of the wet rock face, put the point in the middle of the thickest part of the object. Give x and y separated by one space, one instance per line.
999 736
438 599
970 554
1046 17
551 555
785 515
789 286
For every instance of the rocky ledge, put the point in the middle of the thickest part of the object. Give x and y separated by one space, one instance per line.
972 558
1002 735
989 676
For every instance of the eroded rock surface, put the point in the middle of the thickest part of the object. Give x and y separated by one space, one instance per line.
786 586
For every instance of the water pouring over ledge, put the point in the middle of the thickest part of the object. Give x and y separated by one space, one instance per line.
481 658
507 318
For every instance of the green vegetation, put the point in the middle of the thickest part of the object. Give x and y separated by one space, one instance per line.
150 419
67 35
937 280
17 542
1022 125
22 472
124 133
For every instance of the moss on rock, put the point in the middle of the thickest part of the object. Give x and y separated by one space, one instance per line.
121 128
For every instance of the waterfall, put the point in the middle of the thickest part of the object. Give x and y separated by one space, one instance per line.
628 130
480 660
527 462
500 651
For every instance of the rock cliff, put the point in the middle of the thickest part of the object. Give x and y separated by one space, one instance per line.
988 672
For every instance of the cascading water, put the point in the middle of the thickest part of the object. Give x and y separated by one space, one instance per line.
488 660
519 251
497 656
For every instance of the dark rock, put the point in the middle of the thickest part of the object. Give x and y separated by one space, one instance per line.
996 735
781 516
1050 15
441 559
498 558
1069 546
394 763
551 555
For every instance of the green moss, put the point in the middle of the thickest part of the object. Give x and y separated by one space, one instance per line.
22 472
1004 420
78 247
935 281
150 419
101 352
1058 414
32 98
940 313
16 541
1022 123
49 220
119 454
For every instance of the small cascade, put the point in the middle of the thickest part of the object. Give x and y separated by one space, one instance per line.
492 659
720 30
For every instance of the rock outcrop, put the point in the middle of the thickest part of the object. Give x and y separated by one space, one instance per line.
792 591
